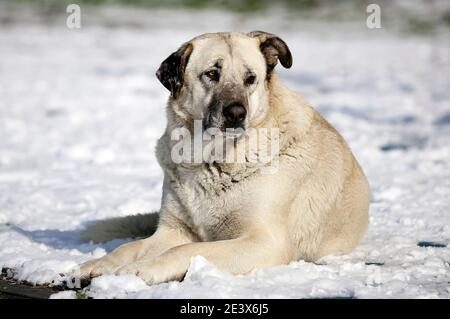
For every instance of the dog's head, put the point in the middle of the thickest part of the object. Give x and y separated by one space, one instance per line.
221 78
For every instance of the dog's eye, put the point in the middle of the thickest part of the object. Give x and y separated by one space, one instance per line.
249 80
213 75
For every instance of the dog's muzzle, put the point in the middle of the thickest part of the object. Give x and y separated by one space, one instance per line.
227 117
234 116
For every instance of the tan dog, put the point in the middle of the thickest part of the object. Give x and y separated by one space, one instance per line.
235 216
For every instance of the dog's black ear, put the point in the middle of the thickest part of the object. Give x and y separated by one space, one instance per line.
273 48
171 71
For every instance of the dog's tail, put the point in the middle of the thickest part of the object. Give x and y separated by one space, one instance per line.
135 226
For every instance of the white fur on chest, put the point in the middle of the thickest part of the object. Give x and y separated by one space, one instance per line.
211 207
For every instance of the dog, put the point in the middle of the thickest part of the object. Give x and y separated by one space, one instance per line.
233 214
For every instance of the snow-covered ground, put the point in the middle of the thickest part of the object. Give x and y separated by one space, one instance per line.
80 112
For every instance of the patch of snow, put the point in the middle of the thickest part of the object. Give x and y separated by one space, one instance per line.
68 294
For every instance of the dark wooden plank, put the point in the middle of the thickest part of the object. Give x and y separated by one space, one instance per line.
13 289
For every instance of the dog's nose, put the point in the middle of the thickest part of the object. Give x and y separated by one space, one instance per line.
234 114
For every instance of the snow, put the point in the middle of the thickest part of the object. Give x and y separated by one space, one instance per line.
68 294
80 112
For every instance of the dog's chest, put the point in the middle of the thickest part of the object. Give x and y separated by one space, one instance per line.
212 201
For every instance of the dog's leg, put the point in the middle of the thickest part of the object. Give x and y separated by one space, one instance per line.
238 256
164 238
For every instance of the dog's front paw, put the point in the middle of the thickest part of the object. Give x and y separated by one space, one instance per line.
151 272
142 270
96 267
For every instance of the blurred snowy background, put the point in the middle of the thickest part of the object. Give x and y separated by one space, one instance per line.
81 109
